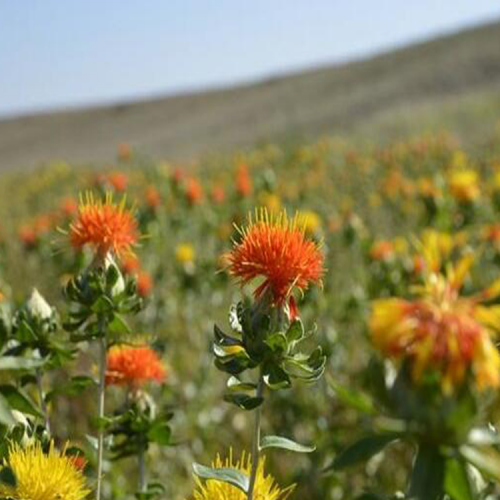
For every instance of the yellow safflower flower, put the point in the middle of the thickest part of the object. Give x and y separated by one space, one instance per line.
271 201
43 476
442 330
265 485
185 253
464 185
310 220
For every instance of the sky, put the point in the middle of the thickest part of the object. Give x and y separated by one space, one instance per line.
65 53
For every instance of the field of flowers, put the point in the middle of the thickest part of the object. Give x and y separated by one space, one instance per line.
312 321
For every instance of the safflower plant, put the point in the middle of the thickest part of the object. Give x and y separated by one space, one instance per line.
138 422
436 380
266 332
100 296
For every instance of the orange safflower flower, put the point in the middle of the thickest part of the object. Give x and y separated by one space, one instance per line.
28 236
119 181
153 198
133 366
130 264
275 248
442 331
244 183
194 191
105 226
382 251
144 283
492 234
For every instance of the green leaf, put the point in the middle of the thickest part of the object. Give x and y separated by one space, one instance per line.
231 476
276 378
427 476
277 343
456 481
295 332
102 305
160 433
284 444
119 325
235 384
243 401
18 400
353 398
19 363
485 458
363 450
8 477
6 416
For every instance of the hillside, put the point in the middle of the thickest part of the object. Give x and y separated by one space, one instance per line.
453 81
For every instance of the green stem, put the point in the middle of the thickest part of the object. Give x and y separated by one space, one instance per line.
100 413
141 457
256 441
41 396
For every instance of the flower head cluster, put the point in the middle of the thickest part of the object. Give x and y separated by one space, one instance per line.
464 185
105 226
265 485
442 331
244 183
276 249
42 476
133 366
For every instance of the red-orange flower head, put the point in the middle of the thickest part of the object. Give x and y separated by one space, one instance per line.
194 191
275 248
441 330
144 283
153 198
105 226
244 183
119 181
133 366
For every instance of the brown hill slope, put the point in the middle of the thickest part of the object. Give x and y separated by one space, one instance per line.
457 75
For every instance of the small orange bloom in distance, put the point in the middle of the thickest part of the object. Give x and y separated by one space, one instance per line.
153 198
119 181
244 183
276 249
130 264
105 226
194 191
28 236
382 251
144 283
133 366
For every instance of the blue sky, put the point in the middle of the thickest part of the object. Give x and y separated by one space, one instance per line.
57 53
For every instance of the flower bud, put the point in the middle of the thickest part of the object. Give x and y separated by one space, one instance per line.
119 286
38 307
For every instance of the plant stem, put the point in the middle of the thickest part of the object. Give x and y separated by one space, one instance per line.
43 404
256 441
100 413
141 457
